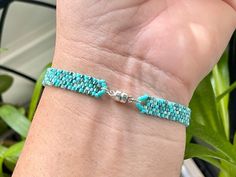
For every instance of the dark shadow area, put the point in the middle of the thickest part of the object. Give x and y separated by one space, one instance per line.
232 73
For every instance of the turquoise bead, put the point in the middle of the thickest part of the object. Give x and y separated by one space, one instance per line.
100 93
143 98
144 111
140 107
164 109
103 83
88 85
75 82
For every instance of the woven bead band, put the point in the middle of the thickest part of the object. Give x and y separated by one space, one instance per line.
94 87
75 82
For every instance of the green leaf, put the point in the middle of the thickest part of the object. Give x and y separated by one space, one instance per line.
188 136
10 162
1 170
226 92
2 151
212 157
206 154
203 105
215 140
196 150
12 154
220 82
15 119
36 94
5 83
14 150
215 163
230 169
234 141
21 110
6 175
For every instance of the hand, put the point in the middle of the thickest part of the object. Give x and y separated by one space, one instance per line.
160 47
163 47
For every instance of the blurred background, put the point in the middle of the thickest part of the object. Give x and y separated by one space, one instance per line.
28 35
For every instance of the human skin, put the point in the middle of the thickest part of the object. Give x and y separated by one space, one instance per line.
160 47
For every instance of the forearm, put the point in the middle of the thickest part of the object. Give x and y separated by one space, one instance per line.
76 135
163 49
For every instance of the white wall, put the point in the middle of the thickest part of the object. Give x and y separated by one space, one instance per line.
29 35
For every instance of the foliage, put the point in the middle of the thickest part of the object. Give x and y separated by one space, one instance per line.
208 135
18 120
36 94
5 83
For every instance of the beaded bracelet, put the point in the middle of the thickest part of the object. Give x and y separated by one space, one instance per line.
94 87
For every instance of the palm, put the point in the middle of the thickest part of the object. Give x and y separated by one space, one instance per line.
180 39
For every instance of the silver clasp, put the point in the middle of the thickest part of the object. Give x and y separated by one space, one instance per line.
120 96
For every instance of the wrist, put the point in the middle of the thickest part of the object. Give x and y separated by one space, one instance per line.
101 137
121 73
126 73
